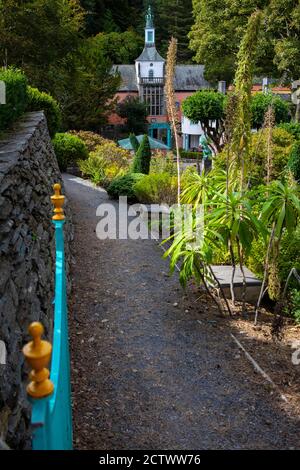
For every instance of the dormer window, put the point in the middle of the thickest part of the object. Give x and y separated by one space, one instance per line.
151 74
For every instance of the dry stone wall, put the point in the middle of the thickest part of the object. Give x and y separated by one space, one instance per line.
28 169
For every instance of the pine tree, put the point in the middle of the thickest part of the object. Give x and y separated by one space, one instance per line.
174 19
142 159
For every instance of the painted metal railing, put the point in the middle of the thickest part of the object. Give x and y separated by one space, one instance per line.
51 397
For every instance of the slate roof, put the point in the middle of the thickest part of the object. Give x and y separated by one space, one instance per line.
128 75
190 78
187 78
150 54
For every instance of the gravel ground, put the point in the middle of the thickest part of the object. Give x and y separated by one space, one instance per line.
154 367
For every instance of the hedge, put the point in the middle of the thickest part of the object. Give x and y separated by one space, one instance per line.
16 96
41 101
190 155
69 149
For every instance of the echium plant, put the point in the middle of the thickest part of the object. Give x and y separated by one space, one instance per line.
171 105
241 134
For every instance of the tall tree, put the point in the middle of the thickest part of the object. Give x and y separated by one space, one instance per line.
44 38
38 33
217 32
174 19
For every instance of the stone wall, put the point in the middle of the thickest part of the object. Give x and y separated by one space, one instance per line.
28 169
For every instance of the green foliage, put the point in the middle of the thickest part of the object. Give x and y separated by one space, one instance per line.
219 27
94 168
84 85
134 142
281 149
289 255
157 189
41 101
206 106
217 33
292 128
120 48
260 103
69 149
134 112
190 155
91 139
177 24
16 96
282 207
257 164
45 39
142 159
241 129
163 163
106 162
288 258
38 34
294 161
293 309
124 186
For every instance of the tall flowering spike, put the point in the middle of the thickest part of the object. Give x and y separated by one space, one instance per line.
269 126
243 87
171 104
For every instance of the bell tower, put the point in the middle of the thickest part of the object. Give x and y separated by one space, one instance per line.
149 30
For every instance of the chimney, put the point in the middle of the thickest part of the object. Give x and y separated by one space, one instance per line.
222 87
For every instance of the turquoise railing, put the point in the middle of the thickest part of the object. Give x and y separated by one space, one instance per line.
51 415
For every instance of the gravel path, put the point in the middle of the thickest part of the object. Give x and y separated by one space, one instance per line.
152 368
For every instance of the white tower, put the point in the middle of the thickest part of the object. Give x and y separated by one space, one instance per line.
150 66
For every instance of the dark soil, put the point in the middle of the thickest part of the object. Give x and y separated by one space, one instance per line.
154 367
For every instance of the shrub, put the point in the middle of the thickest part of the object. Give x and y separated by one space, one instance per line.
107 162
69 149
94 168
41 101
142 159
259 105
282 146
134 112
190 155
289 256
294 161
124 186
157 189
291 127
293 308
134 142
91 139
163 163
16 96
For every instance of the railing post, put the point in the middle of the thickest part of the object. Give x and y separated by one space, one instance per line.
38 355
61 354
51 399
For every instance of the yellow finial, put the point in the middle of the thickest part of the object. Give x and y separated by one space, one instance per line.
38 355
58 201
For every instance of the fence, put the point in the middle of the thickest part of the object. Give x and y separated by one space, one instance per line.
51 397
